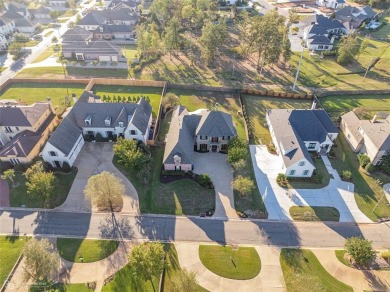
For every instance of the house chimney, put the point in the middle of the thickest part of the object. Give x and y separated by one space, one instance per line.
374 118
101 29
216 106
314 104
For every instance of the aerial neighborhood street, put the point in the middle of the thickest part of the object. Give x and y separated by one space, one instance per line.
203 145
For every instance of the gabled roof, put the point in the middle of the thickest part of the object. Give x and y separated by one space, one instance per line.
353 124
216 124
21 144
10 14
23 22
39 10
98 17
100 47
121 3
112 28
141 116
15 6
321 21
92 18
319 40
76 34
22 116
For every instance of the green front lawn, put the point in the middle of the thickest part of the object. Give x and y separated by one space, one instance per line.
256 107
19 196
304 273
239 264
313 213
10 249
46 53
302 183
154 93
340 253
367 190
33 92
85 250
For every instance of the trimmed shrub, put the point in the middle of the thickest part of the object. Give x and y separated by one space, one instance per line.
204 180
282 180
386 255
99 137
346 174
363 160
173 172
66 167
369 167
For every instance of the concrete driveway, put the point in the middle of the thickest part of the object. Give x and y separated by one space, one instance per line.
278 201
221 174
93 159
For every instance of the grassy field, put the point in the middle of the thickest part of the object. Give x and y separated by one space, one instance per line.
10 249
239 264
256 107
131 52
340 253
304 273
339 104
306 213
73 249
45 54
321 170
19 196
384 31
367 189
31 43
58 72
33 92
154 93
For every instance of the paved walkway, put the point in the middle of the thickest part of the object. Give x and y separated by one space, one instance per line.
270 277
358 279
4 193
278 201
93 159
221 174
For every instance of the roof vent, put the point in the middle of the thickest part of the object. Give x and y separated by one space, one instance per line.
101 29
107 121
88 121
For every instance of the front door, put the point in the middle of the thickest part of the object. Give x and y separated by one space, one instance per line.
214 148
57 163
203 147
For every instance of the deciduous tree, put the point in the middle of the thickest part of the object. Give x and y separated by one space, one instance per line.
359 249
130 154
347 50
9 174
40 184
15 49
243 185
213 37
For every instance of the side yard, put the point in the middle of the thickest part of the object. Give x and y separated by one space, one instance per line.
10 247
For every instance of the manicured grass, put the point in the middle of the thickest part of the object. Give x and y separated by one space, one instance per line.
10 249
72 249
3 69
154 93
173 268
304 273
312 213
239 264
63 288
256 107
46 53
339 104
229 103
340 253
164 126
58 72
384 31
320 170
47 34
33 92
130 52
367 190
19 196
31 43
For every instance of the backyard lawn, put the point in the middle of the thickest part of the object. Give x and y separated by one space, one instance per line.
312 213
384 31
304 273
242 263
19 196
85 250
256 107
10 249
64 288
154 93
58 72
33 92
367 189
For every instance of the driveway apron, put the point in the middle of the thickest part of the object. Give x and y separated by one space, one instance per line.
221 174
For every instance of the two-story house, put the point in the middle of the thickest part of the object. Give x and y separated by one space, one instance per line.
297 132
367 137
24 130
334 4
203 131
7 27
90 117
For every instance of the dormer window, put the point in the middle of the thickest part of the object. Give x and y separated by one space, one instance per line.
88 121
107 121
121 124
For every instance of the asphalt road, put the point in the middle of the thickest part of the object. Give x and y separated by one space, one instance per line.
189 229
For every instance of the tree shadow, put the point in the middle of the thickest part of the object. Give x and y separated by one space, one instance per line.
376 283
115 227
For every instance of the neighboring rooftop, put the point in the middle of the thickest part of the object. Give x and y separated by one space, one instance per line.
22 116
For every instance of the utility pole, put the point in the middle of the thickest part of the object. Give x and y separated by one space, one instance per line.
299 68
368 68
234 61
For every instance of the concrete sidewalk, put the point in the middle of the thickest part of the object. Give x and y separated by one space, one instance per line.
278 201
359 280
270 277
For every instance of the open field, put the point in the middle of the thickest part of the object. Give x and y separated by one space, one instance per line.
154 93
367 189
19 196
85 250
58 72
303 272
33 92
241 264
256 107
311 213
10 249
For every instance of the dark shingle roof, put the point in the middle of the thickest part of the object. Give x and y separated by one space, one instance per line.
76 34
39 10
319 40
141 116
112 28
99 47
216 124
97 17
21 144
22 116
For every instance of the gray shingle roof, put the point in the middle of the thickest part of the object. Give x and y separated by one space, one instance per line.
76 34
39 10
216 124
21 145
319 40
98 47
22 116
112 28
97 17
141 116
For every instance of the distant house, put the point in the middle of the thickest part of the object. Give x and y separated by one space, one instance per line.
334 4
58 4
24 130
18 8
297 132
353 17
22 24
114 32
368 137
118 4
96 18
40 13
78 43
318 32
205 131
7 27
88 117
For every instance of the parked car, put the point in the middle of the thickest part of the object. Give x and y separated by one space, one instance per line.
38 37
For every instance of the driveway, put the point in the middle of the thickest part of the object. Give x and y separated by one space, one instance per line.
221 174
93 159
338 194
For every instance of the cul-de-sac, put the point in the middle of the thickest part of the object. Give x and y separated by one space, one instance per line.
195 145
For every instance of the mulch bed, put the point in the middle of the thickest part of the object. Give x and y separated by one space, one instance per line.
165 179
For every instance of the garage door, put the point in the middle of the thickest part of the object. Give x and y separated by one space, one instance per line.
114 58
104 58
